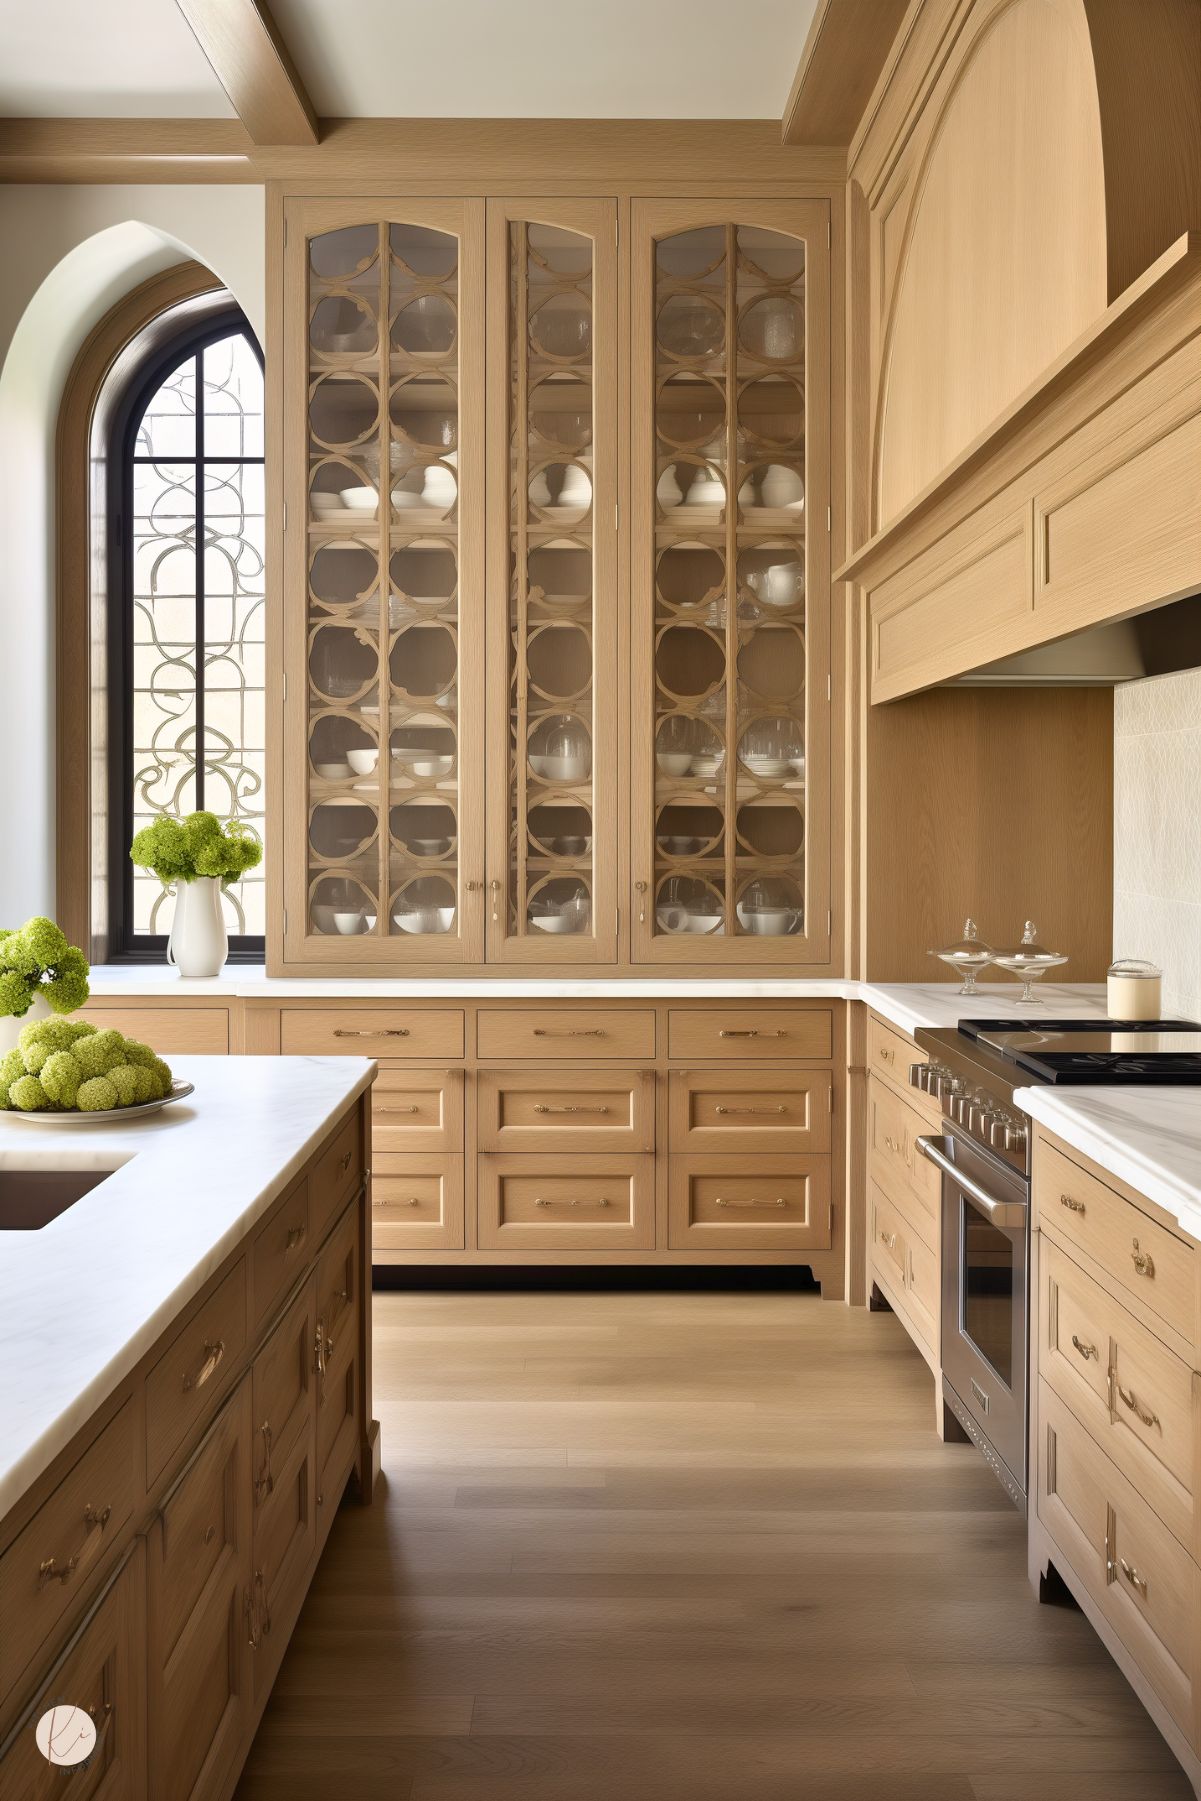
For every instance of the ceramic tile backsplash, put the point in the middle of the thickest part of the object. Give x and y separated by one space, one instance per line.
1157 831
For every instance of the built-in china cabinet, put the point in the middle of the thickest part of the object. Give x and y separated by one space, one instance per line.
515 448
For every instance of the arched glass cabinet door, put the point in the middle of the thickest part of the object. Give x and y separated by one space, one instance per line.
383 604
731 583
552 581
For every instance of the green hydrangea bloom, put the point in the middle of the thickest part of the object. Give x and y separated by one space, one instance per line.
28 1095
46 943
97 1095
55 1034
163 848
100 1052
163 1073
15 993
60 1078
124 1080
17 954
179 850
139 1053
35 1055
68 986
145 1084
12 1066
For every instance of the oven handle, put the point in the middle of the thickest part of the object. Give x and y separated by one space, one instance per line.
1005 1214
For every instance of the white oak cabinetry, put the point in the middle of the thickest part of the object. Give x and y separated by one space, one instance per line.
154 1574
1115 1427
904 1204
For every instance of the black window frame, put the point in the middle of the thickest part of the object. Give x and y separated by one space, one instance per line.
124 946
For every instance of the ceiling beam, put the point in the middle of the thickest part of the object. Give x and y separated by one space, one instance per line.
847 46
251 61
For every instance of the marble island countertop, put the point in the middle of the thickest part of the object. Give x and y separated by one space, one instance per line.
1149 1138
85 1297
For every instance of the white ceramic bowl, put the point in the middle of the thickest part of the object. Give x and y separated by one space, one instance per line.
348 923
363 761
405 497
551 922
764 767
322 504
425 919
703 922
706 491
360 500
766 922
560 769
707 766
673 762
429 847
332 772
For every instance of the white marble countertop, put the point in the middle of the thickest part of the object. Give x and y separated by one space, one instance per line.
1148 1137
85 1297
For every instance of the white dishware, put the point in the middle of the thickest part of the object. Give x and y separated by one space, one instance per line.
680 847
766 767
707 766
439 487
766 922
576 490
704 922
674 762
348 923
360 500
429 847
362 762
560 769
403 499
421 920
332 772
568 847
672 918
423 762
780 486
1133 990
776 586
707 491
60 1117
669 491
324 504
539 489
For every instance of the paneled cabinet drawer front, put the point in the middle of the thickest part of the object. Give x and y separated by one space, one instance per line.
574 1109
280 1251
1154 1265
890 1241
749 1203
202 1523
171 1031
337 1175
739 1032
371 1032
894 1161
54 1558
191 1374
1137 1398
891 1055
729 1110
595 1204
104 1672
284 1534
1140 1577
283 1389
924 1289
417 1203
417 1110
551 1032
337 1367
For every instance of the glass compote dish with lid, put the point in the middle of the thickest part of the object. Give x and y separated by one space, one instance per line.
967 956
1030 960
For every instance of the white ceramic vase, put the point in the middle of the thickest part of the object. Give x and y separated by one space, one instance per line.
198 944
10 1025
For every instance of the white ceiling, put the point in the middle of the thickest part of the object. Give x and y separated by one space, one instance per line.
582 59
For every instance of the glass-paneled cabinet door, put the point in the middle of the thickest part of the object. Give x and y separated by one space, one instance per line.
552 581
731 582
383 606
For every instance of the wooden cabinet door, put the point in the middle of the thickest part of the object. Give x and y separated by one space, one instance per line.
202 1613
284 1454
552 581
382 401
338 1363
730 581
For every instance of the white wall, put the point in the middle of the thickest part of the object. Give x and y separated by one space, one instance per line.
72 253
1157 831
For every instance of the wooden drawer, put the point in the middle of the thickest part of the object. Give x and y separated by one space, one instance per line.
740 1032
890 1242
566 1109
1135 1572
103 1671
896 1164
171 1031
417 1203
190 1376
890 1055
749 1203
370 1032
337 1365
923 1288
1139 1254
417 1110
284 1543
594 1204
1136 1397
553 1032
724 1110
74 1530
279 1252
283 1389
337 1174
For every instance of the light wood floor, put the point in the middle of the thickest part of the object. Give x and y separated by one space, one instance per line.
682 1548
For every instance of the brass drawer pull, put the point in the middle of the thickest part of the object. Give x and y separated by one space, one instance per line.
640 887
555 1202
253 1635
1138 1583
296 1237
541 1107
494 885
214 1351
749 1110
721 1200
571 1032
265 1483
50 1570
889 1240
344 1162
749 1032
1072 1205
896 1145
885 1055
319 1359
411 1200
1143 1261
1085 1350
373 1032
382 1110
1130 1400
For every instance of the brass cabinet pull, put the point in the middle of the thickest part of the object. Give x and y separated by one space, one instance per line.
319 1359
1130 1400
210 1533
733 1110
541 1107
411 1200
889 1240
265 1613
473 887
1138 1583
1143 1261
214 1351
50 1570
372 1032
395 1109
570 1032
1085 1350
344 1162
1072 1205
296 1237
554 1201
494 884
885 1054
721 1200
749 1032
640 888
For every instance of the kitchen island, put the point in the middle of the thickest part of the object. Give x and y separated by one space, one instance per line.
185 1327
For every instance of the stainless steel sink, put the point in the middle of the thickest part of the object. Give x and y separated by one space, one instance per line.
30 1197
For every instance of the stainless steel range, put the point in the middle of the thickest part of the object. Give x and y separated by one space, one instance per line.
983 1153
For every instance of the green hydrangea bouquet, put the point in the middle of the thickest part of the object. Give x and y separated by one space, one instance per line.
36 959
67 1065
182 850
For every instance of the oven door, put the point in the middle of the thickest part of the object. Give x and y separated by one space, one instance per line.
985 1274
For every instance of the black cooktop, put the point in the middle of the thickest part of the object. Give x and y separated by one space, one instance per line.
1156 1052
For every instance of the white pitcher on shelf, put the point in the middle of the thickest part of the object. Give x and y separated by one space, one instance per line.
198 944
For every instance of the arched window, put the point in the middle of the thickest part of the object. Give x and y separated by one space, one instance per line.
186 654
